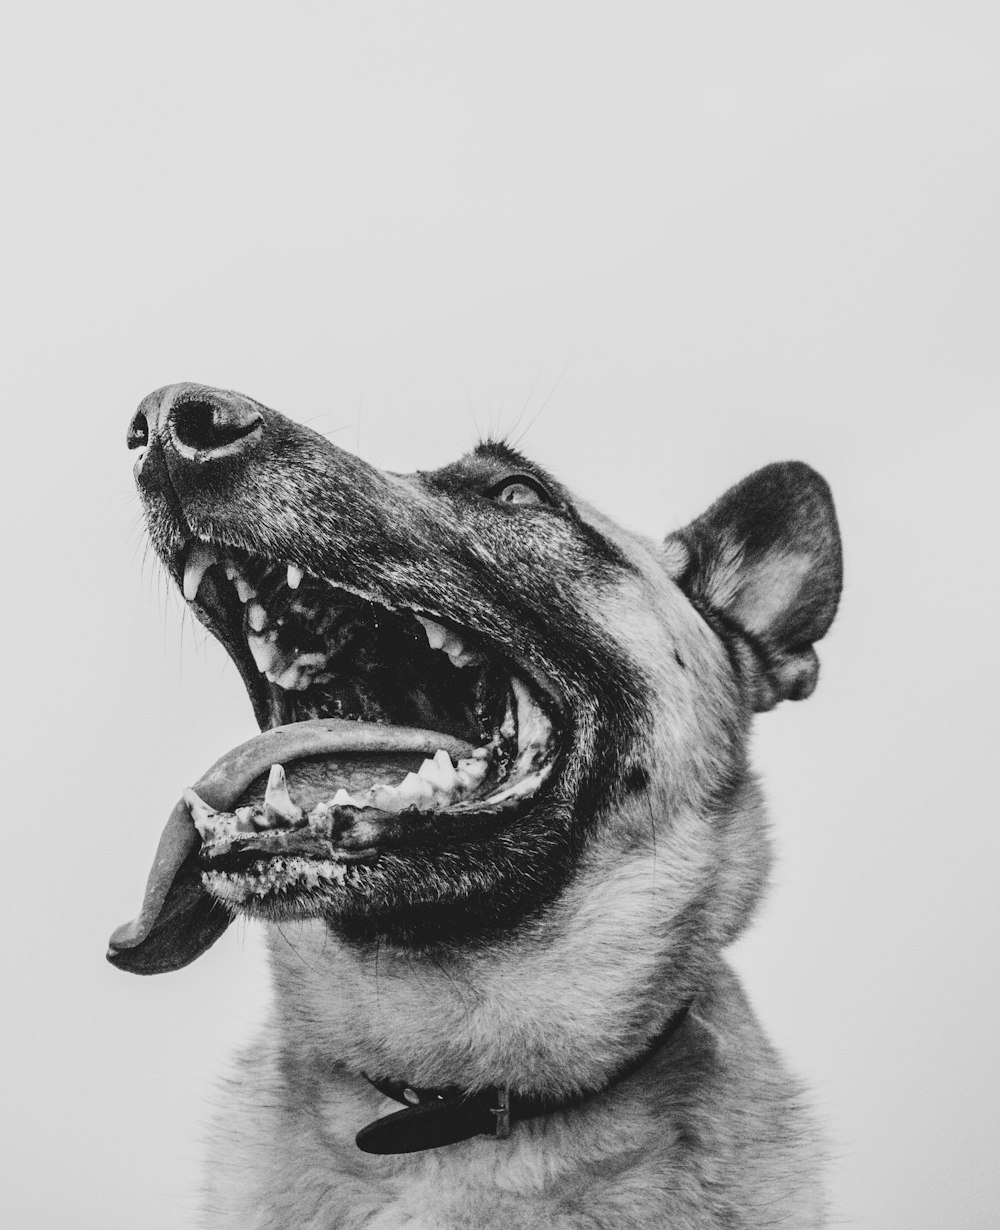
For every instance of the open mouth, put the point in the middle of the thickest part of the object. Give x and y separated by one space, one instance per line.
436 732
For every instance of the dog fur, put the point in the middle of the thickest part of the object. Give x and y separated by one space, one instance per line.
649 860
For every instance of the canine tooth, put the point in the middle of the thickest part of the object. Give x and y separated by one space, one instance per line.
436 633
244 590
200 559
277 800
295 575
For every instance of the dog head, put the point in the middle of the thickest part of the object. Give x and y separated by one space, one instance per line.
470 685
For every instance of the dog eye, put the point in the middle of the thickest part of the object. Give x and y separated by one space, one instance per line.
520 490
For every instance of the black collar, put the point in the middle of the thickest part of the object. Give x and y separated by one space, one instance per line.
435 1117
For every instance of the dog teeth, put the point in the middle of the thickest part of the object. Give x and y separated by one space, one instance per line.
437 785
415 789
440 637
533 727
245 821
460 656
202 815
439 772
200 558
290 679
343 799
471 772
265 652
436 634
299 673
273 663
278 805
295 575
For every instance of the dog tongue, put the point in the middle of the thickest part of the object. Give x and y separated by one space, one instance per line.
179 919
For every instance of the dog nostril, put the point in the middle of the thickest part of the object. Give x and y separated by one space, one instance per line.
207 427
138 431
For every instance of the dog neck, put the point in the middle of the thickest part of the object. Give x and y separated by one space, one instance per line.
436 1117
495 1017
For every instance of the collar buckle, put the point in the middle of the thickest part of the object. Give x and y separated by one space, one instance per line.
501 1113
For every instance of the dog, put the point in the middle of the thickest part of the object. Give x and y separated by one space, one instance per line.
499 823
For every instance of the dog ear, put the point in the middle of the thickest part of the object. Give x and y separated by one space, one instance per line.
763 565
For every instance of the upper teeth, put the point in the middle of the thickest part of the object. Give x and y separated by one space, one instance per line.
440 637
438 782
201 556
265 652
291 674
200 559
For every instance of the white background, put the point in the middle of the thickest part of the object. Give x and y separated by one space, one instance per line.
680 241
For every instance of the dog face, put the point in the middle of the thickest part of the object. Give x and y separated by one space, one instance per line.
474 684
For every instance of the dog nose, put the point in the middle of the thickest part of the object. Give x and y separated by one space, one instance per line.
195 423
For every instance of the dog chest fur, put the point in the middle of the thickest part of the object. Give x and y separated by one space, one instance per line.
666 1150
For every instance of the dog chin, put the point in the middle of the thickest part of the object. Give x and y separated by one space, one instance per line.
281 889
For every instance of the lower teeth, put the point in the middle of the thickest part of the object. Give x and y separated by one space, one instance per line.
436 784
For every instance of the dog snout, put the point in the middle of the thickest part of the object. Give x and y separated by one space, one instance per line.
198 424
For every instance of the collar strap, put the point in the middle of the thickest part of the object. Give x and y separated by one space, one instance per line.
436 1117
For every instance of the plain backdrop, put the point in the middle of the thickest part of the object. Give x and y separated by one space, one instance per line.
665 244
